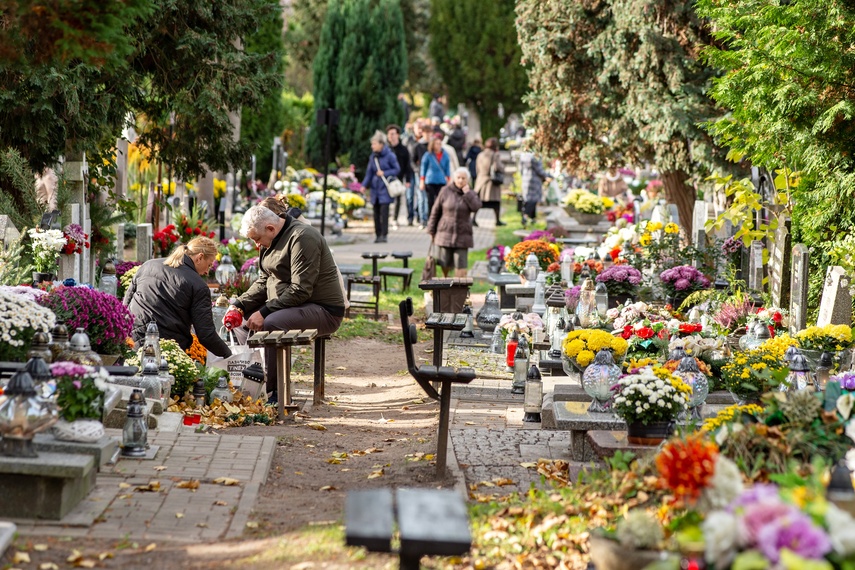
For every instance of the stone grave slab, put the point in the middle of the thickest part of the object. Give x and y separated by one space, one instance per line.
780 265
755 271
605 443
7 533
103 450
45 487
799 287
835 308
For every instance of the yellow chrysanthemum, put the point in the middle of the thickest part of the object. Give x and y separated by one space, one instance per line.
608 202
672 228
645 240
584 358
573 347
654 226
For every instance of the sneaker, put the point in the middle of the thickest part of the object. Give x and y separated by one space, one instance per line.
382 239
421 226
394 226
378 239
410 223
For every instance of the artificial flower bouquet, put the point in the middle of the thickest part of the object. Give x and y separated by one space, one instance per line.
79 390
46 246
684 279
632 313
620 279
75 239
650 395
104 318
828 338
775 318
523 324
21 317
546 253
581 346
645 339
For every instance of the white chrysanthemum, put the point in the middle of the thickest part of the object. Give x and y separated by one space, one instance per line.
721 538
725 485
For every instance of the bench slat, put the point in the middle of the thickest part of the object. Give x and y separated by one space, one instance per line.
307 336
432 522
369 520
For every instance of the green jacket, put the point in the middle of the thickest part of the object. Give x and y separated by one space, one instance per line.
297 268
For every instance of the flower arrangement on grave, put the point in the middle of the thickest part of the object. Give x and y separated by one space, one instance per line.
46 246
571 297
239 249
122 268
684 279
544 235
126 278
195 223
558 231
293 200
585 202
525 324
237 285
197 352
553 273
249 265
79 390
773 317
633 313
620 211
242 411
75 239
733 315
164 239
21 317
545 252
829 338
181 366
103 316
846 380
646 339
650 395
501 249
583 345
748 375
348 202
620 280
593 266
731 247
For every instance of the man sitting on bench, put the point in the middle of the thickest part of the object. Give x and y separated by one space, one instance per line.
298 285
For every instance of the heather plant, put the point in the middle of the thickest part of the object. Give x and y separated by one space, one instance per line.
104 318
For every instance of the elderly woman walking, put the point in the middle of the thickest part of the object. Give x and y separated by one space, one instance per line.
488 189
381 164
450 223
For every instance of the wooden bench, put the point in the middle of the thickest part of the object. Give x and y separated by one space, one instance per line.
405 272
283 341
373 301
431 522
425 375
374 256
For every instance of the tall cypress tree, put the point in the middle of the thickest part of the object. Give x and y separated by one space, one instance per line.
360 68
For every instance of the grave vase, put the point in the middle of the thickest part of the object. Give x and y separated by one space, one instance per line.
43 277
80 431
652 433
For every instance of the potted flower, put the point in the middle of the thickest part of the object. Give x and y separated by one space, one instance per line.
546 253
622 281
581 346
645 339
46 246
181 366
104 318
750 374
80 398
813 341
21 317
649 401
583 206
681 281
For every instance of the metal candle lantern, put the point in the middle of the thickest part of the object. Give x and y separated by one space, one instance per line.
151 385
511 348
695 315
253 380
823 370
598 379
467 331
490 314
790 353
199 393
761 335
532 268
152 337
40 346
59 340
166 378
533 400
222 392
495 264
800 377
38 369
520 366
539 305
23 415
556 338
587 306
135 432
109 283
225 271
601 294
689 373
80 351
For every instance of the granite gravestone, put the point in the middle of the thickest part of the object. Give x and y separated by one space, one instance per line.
143 242
799 287
699 232
755 271
835 308
779 266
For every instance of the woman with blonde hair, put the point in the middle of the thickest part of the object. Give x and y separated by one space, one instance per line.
173 293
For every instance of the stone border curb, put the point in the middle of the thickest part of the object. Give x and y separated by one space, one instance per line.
7 533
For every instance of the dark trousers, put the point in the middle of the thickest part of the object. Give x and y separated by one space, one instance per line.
381 220
432 191
494 205
530 209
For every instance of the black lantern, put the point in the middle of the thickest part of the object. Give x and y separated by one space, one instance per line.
253 380
135 433
467 331
40 346
533 400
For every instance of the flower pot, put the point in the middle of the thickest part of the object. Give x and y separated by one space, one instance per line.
80 431
43 277
611 555
582 218
745 399
652 433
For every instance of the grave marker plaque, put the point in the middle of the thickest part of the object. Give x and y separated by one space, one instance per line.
8 232
835 308
779 266
799 288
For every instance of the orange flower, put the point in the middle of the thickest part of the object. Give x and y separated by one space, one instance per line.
686 466
196 351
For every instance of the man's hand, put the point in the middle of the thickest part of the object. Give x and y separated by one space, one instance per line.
255 322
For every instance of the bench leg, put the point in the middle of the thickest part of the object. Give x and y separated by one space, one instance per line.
283 381
442 438
320 367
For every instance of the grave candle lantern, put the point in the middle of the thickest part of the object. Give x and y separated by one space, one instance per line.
533 400
135 432
23 415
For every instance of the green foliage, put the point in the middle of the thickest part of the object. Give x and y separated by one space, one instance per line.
482 69
297 116
259 125
17 191
359 70
16 265
303 39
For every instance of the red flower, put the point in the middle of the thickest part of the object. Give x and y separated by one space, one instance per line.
645 333
777 318
615 253
199 223
210 234
686 466
197 231
689 328
663 334
772 330
627 332
188 231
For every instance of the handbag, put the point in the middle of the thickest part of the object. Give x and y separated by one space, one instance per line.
496 175
429 270
394 186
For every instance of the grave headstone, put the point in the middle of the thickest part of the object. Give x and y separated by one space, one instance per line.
673 214
49 219
120 242
755 270
699 232
87 274
779 266
144 234
799 287
9 234
69 265
835 308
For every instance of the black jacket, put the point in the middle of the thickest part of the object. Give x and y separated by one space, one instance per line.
175 298
403 156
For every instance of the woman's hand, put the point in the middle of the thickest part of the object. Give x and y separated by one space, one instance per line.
422 185
379 173
466 189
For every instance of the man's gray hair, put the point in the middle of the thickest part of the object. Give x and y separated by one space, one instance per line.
379 136
256 218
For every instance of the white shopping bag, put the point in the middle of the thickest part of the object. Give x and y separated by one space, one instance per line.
242 356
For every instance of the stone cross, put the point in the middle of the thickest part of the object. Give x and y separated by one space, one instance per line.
779 265
799 288
144 234
835 308
755 271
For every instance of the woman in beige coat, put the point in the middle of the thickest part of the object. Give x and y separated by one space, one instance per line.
488 161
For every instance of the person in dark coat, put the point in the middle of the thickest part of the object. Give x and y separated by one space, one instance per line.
393 135
471 157
172 293
382 163
450 223
533 177
457 139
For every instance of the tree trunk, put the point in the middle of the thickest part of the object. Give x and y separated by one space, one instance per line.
681 195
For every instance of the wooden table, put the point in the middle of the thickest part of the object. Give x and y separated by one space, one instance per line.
437 286
374 256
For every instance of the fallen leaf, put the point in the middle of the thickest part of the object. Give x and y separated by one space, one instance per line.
376 474
85 563
252 524
227 481
125 496
104 555
124 486
529 465
339 455
21 558
317 427
334 461
202 525
419 401
160 468
48 566
192 484
503 482
429 457
469 423
340 368
152 487
221 503
179 515
74 556
298 473
40 547
328 488
150 547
